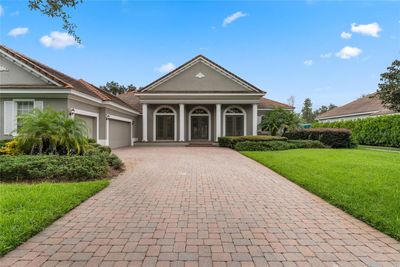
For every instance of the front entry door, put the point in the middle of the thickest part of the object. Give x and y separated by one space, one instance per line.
199 127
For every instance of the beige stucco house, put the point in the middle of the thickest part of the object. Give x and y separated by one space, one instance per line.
197 102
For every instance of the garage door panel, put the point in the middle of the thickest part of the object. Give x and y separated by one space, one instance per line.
120 133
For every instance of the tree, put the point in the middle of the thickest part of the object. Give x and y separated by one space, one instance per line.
116 88
389 88
291 101
57 9
323 109
307 112
279 120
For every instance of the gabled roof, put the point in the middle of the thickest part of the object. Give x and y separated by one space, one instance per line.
131 99
367 105
57 79
210 63
266 103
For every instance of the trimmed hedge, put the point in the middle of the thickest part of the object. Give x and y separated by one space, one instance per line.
277 145
335 138
374 131
231 141
52 167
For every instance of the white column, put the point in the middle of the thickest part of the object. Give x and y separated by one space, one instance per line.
218 122
254 119
181 122
144 122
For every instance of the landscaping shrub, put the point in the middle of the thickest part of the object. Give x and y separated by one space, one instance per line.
10 148
52 167
277 145
231 141
335 138
115 162
374 131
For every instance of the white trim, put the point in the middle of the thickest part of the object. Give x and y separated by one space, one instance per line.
88 114
349 115
14 114
208 63
144 123
161 114
102 142
181 122
199 115
217 121
237 114
200 94
254 121
35 91
30 69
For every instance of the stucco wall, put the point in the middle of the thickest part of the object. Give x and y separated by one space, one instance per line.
187 81
17 75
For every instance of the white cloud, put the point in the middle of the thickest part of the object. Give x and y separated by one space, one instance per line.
348 52
58 40
18 31
345 35
308 62
326 55
165 68
371 29
15 13
1 11
228 20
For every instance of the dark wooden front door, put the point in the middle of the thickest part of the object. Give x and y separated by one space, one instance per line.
199 128
165 127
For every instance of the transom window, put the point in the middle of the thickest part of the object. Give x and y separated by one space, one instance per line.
234 110
165 110
199 111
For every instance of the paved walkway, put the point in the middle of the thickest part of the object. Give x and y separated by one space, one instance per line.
202 207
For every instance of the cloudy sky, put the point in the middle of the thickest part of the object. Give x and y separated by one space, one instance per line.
331 51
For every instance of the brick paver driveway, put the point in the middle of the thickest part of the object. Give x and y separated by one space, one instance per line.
204 206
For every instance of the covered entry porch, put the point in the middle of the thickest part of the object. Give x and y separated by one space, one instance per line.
197 122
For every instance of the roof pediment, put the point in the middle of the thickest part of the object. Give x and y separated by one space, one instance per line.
200 75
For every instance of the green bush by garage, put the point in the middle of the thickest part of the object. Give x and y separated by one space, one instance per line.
374 131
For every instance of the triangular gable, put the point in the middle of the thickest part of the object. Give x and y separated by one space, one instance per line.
200 74
31 67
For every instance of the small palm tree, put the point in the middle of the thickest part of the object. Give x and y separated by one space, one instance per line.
49 131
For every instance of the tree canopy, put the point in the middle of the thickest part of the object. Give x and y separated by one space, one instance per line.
116 88
57 9
279 120
389 88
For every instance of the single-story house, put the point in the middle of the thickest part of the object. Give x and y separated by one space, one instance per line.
366 106
197 102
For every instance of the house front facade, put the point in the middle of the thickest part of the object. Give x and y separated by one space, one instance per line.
197 102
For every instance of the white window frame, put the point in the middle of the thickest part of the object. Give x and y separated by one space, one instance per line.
199 115
15 112
155 114
234 114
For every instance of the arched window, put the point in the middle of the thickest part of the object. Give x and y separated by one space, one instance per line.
164 124
199 124
234 121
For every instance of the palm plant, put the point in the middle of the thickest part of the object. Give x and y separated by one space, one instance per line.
49 131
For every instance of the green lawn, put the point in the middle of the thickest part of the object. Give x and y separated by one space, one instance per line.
26 209
364 183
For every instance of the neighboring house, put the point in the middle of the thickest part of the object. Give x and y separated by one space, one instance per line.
26 84
197 102
363 107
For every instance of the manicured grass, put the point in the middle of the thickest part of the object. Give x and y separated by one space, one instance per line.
390 149
364 183
26 209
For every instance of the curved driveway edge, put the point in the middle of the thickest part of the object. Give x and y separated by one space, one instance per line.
204 206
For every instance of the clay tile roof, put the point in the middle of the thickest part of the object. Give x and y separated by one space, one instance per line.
131 99
367 104
266 103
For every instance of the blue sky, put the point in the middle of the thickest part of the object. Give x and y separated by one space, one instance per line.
286 48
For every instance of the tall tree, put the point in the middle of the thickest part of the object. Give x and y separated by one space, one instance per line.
116 88
279 120
57 9
323 109
389 88
291 101
307 112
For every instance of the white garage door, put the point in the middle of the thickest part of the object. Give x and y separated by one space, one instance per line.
120 133
90 125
